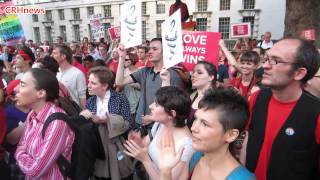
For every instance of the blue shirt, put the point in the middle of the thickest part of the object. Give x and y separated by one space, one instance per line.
239 173
14 116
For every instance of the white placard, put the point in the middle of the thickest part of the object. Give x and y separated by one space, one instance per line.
97 28
131 30
172 40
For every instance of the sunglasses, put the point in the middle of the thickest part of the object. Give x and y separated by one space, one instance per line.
127 59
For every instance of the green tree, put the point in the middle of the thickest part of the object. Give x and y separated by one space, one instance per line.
302 15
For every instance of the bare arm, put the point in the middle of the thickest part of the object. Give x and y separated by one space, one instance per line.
243 151
82 103
121 80
231 60
14 136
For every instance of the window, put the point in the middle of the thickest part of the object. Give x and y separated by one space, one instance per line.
90 31
224 27
144 30
249 19
224 5
107 10
144 8
35 18
248 4
76 32
48 33
36 32
159 22
76 13
90 11
49 15
160 7
61 14
202 5
202 24
63 32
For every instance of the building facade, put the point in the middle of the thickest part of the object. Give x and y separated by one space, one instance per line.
71 18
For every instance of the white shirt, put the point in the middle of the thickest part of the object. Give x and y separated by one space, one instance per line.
266 45
102 105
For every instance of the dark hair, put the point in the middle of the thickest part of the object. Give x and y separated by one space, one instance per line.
104 75
49 63
174 98
145 48
307 56
211 69
156 39
133 58
47 81
93 44
250 56
65 50
78 59
233 111
88 58
42 50
99 62
28 51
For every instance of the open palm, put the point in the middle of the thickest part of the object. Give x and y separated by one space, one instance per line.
169 157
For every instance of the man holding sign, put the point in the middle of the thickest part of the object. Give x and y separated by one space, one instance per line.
149 78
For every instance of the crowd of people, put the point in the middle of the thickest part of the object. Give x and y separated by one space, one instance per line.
253 116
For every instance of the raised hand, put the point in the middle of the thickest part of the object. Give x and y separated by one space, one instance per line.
169 158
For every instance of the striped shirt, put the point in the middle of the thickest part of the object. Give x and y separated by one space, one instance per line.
36 156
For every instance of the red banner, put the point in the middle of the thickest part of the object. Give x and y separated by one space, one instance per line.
309 34
114 32
200 46
240 30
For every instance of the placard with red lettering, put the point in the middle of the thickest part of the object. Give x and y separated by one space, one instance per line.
309 34
240 30
114 32
200 46
45 48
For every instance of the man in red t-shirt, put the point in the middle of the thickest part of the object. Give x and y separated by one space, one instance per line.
143 60
284 128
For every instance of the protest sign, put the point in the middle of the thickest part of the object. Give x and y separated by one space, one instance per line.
240 30
97 28
114 32
45 48
309 34
10 27
131 30
172 40
200 46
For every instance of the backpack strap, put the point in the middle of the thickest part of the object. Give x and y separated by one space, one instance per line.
52 117
63 164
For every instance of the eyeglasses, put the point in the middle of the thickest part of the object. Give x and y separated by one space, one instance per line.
275 60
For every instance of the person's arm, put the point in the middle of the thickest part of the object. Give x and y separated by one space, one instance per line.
165 77
243 151
82 87
54 143
120 79
169 157
14 136
231 60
